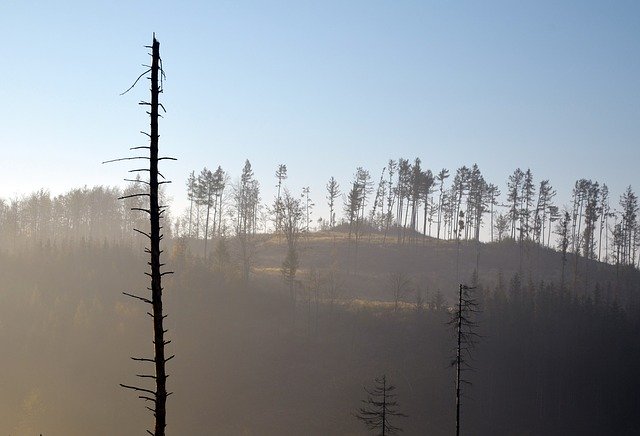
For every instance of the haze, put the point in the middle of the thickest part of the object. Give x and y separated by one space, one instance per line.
434 196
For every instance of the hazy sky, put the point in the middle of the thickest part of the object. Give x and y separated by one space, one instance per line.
323 87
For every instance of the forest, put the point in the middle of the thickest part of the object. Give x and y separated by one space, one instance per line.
402 300
278 320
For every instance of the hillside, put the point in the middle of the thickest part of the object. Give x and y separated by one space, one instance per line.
249 362
429 263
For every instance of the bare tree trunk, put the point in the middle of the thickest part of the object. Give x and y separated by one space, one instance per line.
206 225
155 211
458 362
156 276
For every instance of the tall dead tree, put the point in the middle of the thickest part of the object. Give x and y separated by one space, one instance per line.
462 319
157 397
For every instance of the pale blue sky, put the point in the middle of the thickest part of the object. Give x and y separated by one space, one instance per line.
323 87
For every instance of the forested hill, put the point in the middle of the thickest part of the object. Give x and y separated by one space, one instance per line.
252 360
364 268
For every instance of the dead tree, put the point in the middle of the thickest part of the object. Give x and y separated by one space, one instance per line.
462 319
380 408
157 397
400 284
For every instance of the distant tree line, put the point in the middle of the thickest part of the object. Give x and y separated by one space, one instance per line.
79 214
405 205
409 202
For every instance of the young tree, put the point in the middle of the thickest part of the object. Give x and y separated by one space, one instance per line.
308 206
281 174
380 408
352 206
221 257
333 191
291 227
400 285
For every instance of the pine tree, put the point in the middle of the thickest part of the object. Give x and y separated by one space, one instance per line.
281 174
513 198
629 224
380 408
441 177
291 227
563 232
333 191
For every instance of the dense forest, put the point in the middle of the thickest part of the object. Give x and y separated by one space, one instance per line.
278 327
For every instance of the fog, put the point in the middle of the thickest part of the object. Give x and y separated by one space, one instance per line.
254 358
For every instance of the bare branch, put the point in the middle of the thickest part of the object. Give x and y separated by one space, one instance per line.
124 197
126 158
135 388
146 300
141 209
142 233
134 83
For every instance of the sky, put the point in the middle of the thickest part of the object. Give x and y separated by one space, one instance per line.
323 87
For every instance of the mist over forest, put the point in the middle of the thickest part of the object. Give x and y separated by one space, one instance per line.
342 218
277 324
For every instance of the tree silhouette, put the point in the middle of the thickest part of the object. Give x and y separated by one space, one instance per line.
155 211
333 191
400 285
562 231
281 174
380 408
441 177
247 199
291 226
466 337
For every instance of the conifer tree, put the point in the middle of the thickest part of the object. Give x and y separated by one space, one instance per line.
441 177
333 191
380 408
